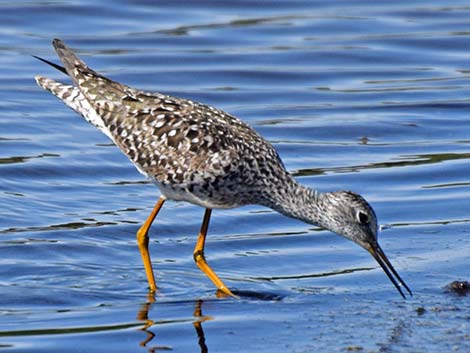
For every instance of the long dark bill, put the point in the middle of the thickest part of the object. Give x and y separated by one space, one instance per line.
393 275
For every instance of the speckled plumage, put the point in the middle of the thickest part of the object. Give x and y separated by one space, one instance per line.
196 153
192 151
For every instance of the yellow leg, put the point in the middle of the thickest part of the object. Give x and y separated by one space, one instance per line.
143 242
200 259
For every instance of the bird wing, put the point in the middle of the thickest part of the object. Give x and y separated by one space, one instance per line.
167 137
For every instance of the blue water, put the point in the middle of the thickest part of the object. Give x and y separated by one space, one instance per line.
371 96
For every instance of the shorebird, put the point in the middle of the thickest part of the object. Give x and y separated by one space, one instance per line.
200 154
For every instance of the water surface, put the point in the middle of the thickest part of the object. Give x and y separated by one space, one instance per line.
368 96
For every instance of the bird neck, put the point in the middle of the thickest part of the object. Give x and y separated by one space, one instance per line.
297 201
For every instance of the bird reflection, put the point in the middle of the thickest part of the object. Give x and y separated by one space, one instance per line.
143 315
198 325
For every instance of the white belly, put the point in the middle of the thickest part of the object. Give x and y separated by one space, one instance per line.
177 195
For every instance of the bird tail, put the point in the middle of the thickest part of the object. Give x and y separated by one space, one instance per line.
70 95
74 99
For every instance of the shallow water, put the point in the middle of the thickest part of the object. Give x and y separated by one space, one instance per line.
370 96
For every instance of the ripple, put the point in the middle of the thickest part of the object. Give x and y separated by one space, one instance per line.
23 159
64 226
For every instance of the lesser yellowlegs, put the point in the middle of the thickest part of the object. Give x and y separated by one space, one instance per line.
199 154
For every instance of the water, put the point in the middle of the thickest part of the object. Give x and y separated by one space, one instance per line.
366 95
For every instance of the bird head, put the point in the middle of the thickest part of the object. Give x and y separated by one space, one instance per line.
350 215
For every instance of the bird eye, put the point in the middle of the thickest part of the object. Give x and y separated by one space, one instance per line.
363 218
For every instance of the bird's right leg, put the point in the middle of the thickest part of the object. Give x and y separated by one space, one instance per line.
143 243
200 259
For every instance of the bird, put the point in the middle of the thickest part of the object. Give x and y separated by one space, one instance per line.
197 153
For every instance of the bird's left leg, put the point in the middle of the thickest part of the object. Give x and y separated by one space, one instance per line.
143 242
201 260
